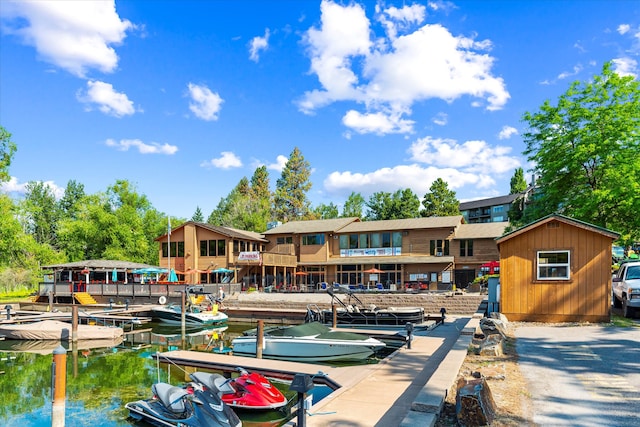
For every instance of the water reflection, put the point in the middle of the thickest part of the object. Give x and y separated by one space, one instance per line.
102 377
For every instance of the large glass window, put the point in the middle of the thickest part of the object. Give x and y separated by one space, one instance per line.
353 241
313 239
204 248
212 247
284 240
364 241
376 240
222 247
553 265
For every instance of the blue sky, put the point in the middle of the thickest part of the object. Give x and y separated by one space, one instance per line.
184 98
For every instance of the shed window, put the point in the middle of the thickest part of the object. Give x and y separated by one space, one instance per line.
554 265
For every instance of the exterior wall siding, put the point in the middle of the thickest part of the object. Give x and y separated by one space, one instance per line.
584 297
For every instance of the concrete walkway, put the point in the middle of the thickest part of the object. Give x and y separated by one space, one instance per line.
407 389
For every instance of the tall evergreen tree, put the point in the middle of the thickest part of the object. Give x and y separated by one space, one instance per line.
197 215
290 199
518 183
440 201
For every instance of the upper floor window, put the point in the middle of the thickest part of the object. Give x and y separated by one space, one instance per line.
553 265
212 247
313 239
371 240
498 218
466 247
497 209
177 249
284 240
439 247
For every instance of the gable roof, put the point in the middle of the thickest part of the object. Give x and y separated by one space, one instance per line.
224 231
482 230
404 224
558 217
312 226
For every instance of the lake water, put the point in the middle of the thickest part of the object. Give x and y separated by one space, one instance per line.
102 377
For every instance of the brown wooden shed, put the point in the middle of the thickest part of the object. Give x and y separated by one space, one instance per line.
556 269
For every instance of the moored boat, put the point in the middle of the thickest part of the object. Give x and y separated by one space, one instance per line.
196 316
57 330
308 342
355 313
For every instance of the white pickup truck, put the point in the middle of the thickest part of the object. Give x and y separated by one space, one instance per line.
626 288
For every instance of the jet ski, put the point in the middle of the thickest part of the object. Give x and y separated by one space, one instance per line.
247 391
189 406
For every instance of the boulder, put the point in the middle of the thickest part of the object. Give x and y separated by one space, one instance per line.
474 403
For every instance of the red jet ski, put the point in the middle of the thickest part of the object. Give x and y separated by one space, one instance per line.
247 391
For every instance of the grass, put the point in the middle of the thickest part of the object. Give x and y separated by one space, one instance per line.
623 322
20 295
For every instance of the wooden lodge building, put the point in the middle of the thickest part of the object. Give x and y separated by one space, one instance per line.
425 253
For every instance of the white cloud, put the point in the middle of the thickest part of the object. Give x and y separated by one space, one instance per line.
576 70
623 28
413 176
281 162
258 44
14 186
395 20
440 119
626 66
73 35
470 156
390 74
107 99
152 148
507 132
379 123
204 104
227 160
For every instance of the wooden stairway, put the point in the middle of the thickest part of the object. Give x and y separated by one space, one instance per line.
84 298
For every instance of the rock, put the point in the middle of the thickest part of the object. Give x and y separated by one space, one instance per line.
493 326
491 346
474 403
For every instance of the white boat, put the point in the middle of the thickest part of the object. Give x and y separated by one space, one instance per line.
308 342
57 330
172 314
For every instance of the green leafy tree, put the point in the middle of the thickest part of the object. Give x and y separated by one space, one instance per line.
518 183
197 215
323 211
41 213
400 205
118 224
290 201
73 195
353 206
440 201
7 149
586 151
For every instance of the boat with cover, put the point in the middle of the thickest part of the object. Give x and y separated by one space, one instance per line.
355 313
57 330
190 406
247 391
308 342
201 309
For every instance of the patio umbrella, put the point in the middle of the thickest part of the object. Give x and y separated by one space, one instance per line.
300 273
373 270
173 277
114 275
222 270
